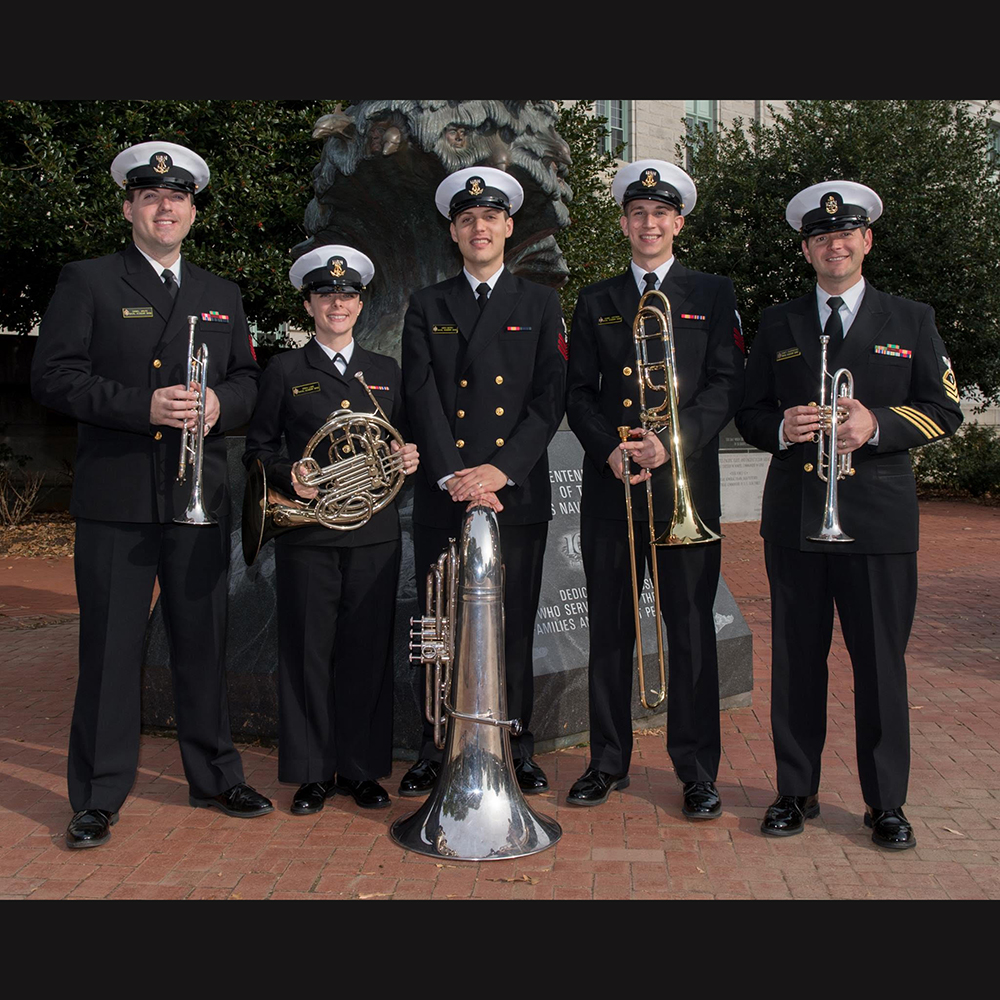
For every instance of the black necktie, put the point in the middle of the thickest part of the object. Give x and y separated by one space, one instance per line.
338 360
483 295
169 283
834 328
650 279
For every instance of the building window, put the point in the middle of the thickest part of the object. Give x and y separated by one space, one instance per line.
701 116
617 115
995 129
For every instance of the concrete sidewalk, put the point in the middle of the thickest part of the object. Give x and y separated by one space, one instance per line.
636 846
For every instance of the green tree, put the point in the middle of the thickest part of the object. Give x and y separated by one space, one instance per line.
938 240
593 244
58 202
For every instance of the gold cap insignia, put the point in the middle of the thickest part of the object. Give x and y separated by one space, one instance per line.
475 186
831 204
650 178
160 162
337 268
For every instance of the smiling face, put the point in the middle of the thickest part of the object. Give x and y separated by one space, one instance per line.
837 257
161 218
651 227
480 233
334 314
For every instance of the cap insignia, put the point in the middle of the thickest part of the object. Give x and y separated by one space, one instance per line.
337 266
160 162
475 186
650 178
831 205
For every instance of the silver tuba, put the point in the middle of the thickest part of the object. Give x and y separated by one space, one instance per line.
476 810
362 475
831 467
194 450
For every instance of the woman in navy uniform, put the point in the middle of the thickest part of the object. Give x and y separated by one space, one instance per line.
484 365
112 353
904 395
336 589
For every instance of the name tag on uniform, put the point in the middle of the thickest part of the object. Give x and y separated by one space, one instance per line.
445 328
792 352
215 317
605 320
138 312
893 351
298 390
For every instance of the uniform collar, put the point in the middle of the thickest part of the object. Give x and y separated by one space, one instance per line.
159 268
346 353
661 272
474 283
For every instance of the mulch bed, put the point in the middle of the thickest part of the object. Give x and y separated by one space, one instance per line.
47 535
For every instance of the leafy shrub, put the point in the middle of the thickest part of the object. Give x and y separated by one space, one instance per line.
968 462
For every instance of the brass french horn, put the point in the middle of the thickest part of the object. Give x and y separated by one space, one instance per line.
361 477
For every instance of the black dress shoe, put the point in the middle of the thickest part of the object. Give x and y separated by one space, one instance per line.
241 800
787 814
890 828
311 797
530 776
368 794
90 828
701 800
593 787
420 778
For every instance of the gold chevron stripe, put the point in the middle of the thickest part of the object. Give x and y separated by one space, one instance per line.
919 420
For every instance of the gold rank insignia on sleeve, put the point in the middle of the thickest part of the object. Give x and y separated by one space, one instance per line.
919 420
138 312
605 320
444 328
298 390
791 352
949 380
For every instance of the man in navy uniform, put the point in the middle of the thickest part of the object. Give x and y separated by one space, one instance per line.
336 587
602 395
484 372
112 352
904 395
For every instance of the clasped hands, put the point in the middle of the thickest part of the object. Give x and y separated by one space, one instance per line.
175 406
802 424
645 449
478 485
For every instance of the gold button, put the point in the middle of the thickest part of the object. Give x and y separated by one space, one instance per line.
158 436
157 363
808 466
464 382
459 443
499 411
626 402
851 471
499 380
499 442
345 404
626 370
460 414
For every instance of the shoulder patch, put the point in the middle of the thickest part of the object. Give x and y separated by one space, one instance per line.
949 381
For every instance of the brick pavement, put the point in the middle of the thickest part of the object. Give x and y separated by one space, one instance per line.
637 846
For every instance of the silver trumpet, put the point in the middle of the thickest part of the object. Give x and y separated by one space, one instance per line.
831 467
476 810
193 441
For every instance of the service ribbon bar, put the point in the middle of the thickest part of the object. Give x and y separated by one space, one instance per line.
215 317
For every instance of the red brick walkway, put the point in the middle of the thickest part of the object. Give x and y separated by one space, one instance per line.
637 846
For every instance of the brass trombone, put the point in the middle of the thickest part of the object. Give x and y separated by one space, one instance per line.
193 441
831 467
686 527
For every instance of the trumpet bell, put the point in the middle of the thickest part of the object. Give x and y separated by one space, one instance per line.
476 810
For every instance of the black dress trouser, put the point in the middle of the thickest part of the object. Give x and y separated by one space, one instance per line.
116 564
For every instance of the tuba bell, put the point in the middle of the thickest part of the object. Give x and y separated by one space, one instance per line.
831 467
193 441
476 810
362 476
686 527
